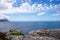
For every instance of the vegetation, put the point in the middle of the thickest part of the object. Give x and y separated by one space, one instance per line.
16 32
3 36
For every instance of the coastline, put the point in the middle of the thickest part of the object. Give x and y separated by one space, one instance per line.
46 34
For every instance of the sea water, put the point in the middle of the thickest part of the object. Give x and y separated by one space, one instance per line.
27 26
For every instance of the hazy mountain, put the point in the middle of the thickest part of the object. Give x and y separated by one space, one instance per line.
3 20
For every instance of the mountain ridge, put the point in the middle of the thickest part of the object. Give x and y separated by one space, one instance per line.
4 20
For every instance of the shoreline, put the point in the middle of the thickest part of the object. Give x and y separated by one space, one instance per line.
50 34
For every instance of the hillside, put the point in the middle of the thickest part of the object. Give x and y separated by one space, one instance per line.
3 20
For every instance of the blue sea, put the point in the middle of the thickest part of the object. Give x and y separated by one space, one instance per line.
27 26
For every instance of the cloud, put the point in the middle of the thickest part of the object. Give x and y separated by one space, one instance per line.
41 13
24 8
51 0
57 10
6 7
2 16
56 14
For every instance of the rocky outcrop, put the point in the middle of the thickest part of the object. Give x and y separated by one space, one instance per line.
3 36
46 33
36 35
30 38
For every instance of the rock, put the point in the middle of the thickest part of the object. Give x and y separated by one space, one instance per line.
47 33
30 38
33 33
3 36
36 35
39 33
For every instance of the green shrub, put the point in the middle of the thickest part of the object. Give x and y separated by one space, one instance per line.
16 33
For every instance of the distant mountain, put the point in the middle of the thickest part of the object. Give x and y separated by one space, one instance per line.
3 20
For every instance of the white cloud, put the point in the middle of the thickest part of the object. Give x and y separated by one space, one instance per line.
51 0
11 0
6 7
24 8
56 14
57 9
41 13
2 16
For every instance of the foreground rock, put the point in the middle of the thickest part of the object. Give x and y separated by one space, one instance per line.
3 36
30 38
33 35
47 33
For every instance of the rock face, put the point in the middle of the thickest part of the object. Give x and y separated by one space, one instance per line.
46 33
3 20
2 36
30 38
37 35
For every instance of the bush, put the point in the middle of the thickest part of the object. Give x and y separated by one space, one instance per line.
3 36
16 33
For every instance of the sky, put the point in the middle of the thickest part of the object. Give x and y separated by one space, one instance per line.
30 10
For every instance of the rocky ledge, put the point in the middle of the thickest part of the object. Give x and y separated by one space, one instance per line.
54 33
28 37
34 35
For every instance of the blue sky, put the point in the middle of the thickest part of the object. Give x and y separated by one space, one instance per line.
30 10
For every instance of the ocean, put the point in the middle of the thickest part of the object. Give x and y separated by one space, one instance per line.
27 26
